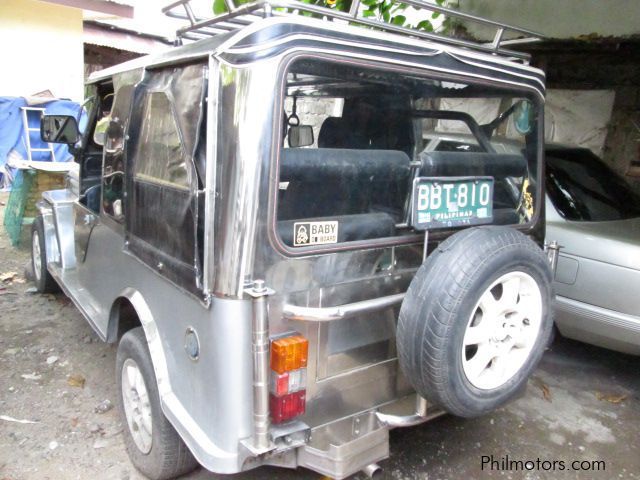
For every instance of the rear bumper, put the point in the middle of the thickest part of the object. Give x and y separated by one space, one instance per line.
598 326
346 446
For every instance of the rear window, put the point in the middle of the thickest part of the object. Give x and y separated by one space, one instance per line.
355 139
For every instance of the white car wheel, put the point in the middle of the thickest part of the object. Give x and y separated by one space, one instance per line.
502 330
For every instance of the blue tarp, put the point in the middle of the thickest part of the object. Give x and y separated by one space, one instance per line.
12 132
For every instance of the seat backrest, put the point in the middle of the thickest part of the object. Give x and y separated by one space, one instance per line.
326 182
332 133
500 166
456 164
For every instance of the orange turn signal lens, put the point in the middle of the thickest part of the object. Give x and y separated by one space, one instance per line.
289 353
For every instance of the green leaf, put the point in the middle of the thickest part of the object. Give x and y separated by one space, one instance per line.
425 25
343 5
368 13
399 20
386 16
435 14
219 7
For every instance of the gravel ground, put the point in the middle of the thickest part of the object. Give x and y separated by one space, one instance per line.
582 404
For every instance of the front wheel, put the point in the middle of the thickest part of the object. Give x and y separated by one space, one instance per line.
476 320
153 445
41 276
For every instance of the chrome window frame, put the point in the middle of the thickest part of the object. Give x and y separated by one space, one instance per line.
209 270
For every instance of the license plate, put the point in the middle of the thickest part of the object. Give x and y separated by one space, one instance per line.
445 202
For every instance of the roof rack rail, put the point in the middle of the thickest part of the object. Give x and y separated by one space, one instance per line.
239 16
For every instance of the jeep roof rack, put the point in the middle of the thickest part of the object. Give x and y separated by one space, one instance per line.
239 16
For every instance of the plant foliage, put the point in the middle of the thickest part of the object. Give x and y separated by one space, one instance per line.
386 11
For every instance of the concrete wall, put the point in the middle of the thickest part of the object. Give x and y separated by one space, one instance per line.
41 49
559 18
622 148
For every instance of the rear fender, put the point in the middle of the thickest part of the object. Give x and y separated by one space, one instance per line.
153 338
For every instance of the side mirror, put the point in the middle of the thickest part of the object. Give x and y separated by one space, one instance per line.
300 136
59 129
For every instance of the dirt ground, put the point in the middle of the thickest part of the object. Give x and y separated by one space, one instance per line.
582 404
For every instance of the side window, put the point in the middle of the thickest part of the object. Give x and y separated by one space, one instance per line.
163 219
160 157
102 119
90 161
113 164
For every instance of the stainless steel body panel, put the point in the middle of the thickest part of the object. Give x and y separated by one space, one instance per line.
45 210
84 222
62 208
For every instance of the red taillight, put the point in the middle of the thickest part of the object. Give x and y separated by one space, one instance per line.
287 406
288 377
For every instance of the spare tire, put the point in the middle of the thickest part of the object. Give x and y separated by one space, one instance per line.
476 320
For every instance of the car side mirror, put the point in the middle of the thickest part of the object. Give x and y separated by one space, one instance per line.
300 136
59 129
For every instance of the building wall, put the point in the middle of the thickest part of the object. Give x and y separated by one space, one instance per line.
41 49
611 65
558 18
622 148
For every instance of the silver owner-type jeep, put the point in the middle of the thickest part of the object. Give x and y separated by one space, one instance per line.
288 271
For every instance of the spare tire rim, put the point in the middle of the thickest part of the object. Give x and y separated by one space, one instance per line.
137 408
502 330
36 254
